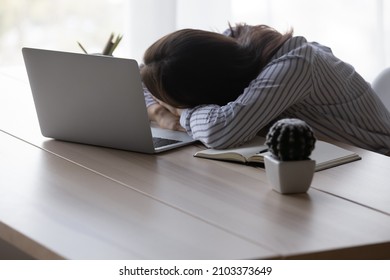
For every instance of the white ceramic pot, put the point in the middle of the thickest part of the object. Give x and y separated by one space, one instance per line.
288 177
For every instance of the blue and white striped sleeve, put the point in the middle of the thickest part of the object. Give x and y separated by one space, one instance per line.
149 100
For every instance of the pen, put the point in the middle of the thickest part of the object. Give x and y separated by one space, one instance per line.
109 45
115 44
81 46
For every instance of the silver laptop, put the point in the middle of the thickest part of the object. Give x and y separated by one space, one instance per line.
96 100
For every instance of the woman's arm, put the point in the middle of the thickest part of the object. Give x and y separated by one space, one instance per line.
164 118
160 113
278 87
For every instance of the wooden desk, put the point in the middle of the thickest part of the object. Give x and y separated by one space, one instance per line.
330 221
365 182
53 208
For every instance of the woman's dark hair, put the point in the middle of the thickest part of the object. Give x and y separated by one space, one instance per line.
191 67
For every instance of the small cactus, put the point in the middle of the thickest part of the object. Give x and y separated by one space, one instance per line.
290 139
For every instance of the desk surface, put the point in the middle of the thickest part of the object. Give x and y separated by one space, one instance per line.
53 208
346 213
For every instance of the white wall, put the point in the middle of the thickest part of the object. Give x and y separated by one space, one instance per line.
358 31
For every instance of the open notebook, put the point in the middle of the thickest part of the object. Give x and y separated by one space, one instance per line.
325 154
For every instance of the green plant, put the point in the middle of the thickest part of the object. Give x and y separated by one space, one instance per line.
290 139
110 46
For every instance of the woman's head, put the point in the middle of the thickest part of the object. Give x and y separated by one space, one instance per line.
192 67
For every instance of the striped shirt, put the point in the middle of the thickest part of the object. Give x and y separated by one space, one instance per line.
306 81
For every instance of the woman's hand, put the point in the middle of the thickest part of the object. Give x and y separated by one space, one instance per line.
173 110
165 116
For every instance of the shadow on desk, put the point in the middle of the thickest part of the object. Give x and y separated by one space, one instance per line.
9 252
366 252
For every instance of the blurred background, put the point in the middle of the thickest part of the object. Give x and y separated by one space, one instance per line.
358 31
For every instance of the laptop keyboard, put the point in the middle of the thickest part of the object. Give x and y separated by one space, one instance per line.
160 142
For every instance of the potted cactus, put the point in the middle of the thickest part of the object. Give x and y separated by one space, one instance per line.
289 167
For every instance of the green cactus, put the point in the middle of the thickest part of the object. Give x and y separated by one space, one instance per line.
290 139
